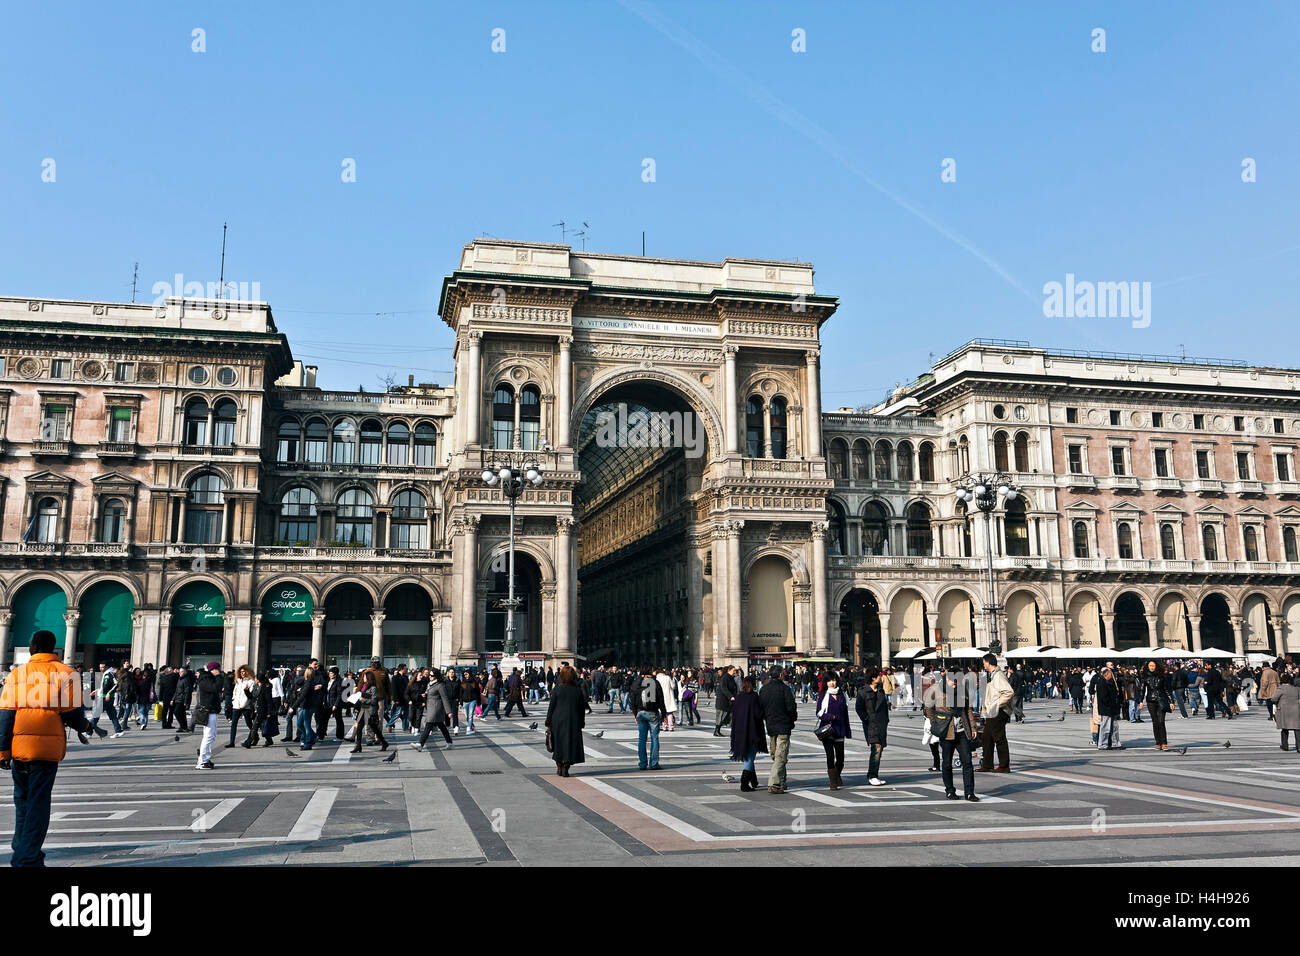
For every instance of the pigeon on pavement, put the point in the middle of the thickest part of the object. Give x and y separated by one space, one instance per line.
1227 744
729 778
599 733
533 725
1062 720
176 739
391 757
289 751
1182 752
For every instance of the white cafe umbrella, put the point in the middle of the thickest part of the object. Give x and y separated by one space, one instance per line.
1214 653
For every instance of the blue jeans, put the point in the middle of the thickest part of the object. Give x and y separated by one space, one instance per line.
1134 713
492 706
306 725
33 783
647 724
613 699
470 707
627 699
750 756
111 711
399 710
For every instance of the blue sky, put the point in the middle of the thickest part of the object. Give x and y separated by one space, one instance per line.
1115 166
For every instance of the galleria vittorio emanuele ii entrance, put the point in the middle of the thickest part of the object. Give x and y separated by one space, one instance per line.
673 409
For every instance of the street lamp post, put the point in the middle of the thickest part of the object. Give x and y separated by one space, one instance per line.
983 491
513 478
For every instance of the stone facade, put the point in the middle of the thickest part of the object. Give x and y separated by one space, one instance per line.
176 486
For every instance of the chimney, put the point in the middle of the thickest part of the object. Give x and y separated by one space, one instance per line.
410 381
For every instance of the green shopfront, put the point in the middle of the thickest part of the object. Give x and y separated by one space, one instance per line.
197 624
37 606
106 625
286 624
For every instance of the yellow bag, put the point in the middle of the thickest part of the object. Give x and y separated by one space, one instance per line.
157 711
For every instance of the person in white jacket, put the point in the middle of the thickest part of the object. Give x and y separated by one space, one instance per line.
241 702
669 686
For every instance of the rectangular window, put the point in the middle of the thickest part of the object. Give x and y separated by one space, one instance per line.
1117 461
2 365
1203 464
1278 425
1072 416
1198 422
502 434
1238 423
1162 463
54 423
60 368
1158 419
1114 417
119 426
1076 459
1282 467
124 372
411 536
1243 465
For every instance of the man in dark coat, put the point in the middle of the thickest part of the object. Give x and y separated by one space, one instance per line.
727 689
166 693
779 715
748 734
181 696
515 693
566 715
1214 691
873 711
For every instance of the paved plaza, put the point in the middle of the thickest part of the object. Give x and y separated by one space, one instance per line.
494 799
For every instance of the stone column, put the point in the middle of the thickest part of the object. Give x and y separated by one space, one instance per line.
1195 620
812 404
767 429
729 412
377 633
468 572
820 611
1279 635
254 655
735 640
886 646
1236 636
6 619
473 389
70 618
318 635
721 581
1109 620
564 396
564 586
1152 639
164 637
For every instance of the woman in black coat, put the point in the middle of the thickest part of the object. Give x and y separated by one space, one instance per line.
748 733
566 715
873 711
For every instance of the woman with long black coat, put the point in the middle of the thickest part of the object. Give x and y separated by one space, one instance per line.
566 715
748 733
873 711
833 711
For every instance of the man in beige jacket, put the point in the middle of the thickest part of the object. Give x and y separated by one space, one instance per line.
997 710
1268 685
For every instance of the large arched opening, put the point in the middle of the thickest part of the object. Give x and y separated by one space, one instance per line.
1131 622
860 628
1216 624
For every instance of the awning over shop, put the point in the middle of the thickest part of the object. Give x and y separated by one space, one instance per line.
106 611
198 604
287 604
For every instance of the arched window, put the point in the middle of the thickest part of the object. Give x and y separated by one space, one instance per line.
904 457
1168 548
1124 539
426 445
372 440
1289 545
112 521
1252 544
925 459
354 517
884 451
409 526
1000 451
196 422
503 417
1016 529
1080 535
778 427
225 414
343 449
530 418
316 439
964 515
1210 542
754 427
963 455
861 460
47 520
1022 452
204 510
839 458
836 540
298 516
875 529
399 443
919 539
286 440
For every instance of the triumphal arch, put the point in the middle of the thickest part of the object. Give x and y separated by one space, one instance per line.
673 408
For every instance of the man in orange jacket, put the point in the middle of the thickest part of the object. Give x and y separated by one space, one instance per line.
40 698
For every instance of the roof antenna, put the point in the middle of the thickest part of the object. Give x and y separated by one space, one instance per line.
1182 351
582 234
221 282
135 277
642 243
564 232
